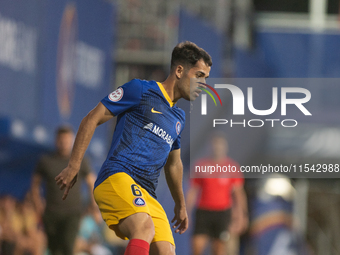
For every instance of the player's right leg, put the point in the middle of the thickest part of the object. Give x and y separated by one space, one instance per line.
136 226
162 248
124 206
139 229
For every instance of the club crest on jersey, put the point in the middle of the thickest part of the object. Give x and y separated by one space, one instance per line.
116 95
178 127
138 201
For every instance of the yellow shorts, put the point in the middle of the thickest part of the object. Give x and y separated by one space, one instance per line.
119 196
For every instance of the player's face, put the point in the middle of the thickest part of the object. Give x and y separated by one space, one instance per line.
199 72
64 144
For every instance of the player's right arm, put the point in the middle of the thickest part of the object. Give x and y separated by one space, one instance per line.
68 177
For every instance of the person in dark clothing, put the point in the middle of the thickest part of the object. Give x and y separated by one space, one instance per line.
61 218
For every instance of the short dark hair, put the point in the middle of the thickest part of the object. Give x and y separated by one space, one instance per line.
187 54
65 129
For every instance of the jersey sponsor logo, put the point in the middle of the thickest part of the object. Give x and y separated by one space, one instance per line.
116 95
148 126
178 127
138 201
163 134
160 132
154 111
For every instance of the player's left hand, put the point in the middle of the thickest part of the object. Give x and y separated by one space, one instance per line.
180 220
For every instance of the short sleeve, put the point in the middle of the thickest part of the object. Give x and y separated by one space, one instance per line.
177 143
124 98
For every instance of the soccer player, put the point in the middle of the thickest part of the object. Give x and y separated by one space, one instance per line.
146 138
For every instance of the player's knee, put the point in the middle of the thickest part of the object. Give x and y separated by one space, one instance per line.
171 250
162 248
148 229
139 226
167 252
143 226
144 230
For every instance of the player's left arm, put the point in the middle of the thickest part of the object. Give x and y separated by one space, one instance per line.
174 176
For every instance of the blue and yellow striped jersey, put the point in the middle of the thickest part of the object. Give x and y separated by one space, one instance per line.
148 127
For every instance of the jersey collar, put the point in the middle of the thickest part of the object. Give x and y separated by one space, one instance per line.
165 94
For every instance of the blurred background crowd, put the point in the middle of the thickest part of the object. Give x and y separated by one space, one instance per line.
58 59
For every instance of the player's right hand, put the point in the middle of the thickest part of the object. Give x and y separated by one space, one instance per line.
66 179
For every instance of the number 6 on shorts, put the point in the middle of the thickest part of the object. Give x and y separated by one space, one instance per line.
136 191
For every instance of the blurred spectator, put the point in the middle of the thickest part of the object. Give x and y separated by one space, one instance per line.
95 237
113 242
9 231
61 218
20 232
31 237
90 239
217 216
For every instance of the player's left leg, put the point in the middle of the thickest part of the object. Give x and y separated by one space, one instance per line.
163 242
162 248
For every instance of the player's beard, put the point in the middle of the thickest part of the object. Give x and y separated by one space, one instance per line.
183 86
187 87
